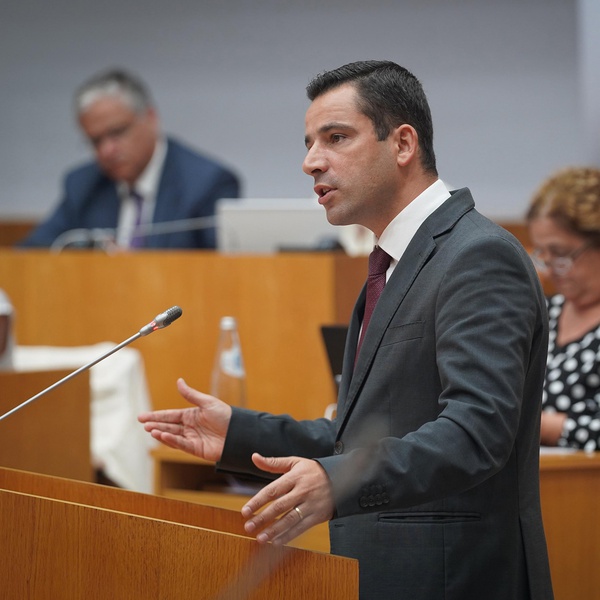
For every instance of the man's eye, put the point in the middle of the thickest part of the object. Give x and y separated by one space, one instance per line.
113 134
558 252
118 131
337 137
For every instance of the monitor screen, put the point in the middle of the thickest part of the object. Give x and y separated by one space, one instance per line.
268 225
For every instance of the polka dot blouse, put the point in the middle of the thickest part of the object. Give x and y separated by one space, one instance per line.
573 383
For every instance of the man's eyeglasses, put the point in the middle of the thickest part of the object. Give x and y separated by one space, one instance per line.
559 265
113 134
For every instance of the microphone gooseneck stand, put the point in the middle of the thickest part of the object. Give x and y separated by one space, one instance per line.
162 320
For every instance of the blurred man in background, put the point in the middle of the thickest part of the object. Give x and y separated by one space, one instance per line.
139 180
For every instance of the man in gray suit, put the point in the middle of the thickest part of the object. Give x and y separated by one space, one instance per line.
429 475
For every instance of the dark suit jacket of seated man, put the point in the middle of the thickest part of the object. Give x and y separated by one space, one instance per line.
139 178
189 188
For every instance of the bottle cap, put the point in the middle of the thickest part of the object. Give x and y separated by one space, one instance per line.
228 323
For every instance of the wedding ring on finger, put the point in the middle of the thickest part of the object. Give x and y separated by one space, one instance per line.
299 512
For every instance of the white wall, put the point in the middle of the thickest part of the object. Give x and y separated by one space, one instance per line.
229 76
589 52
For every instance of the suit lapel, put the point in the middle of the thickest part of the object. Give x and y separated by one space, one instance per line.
390 300
408 268
102 204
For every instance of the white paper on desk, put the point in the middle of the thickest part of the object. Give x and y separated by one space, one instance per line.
556 450
119 392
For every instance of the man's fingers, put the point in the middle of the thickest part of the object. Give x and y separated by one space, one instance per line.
166 438
190 394
161 416
174 428
173 441
271 464
271 499
268 520
270 495
286 528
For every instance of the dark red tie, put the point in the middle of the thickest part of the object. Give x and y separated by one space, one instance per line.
379 262
137 241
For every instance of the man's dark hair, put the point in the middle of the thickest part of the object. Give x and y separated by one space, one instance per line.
389 95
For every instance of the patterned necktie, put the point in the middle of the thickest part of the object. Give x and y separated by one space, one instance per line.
137 241
379 262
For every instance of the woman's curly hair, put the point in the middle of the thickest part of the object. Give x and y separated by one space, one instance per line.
572 198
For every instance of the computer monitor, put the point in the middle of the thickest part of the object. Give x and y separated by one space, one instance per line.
268 225
334 339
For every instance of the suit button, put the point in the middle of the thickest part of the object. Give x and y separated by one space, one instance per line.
338 448
363 502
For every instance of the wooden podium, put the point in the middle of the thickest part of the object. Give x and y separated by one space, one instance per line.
52 434
66 539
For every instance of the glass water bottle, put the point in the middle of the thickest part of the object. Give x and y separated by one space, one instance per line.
228 380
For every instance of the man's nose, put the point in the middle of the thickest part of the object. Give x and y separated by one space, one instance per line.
106 148
314 161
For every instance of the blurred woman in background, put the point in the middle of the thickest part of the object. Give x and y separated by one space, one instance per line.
564 227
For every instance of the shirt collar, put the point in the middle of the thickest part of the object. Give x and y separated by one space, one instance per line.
397 235
147 183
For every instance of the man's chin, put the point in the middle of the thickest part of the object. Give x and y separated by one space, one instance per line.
337 218
331 214
117 174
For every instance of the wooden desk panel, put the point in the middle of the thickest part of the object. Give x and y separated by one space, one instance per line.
52 434
570 490
81 297
15 230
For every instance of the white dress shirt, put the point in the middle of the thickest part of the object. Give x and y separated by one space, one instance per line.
400 231
146 186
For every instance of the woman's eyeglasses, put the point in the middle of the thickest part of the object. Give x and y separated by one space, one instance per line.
559 265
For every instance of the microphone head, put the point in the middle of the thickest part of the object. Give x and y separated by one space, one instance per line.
172 314
162 320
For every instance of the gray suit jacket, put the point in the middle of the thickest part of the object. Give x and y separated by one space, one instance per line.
434 456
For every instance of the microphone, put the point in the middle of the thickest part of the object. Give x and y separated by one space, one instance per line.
160 227
105 239
84 239
161 321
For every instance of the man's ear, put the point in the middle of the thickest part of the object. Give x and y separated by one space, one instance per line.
407 143
152 116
